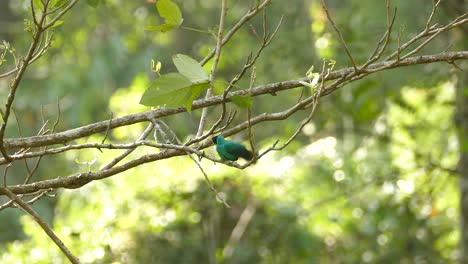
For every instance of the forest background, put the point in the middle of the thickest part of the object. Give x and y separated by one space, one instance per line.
374 167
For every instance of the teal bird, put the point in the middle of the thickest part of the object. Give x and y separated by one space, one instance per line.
229 150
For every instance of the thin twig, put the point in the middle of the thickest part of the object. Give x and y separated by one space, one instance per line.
210 184
59 115
432 30
214 66
434 9
33 171
42 223
249 15
41 27
338 31
315 101
384 41
36 196
59 15
189 154
265 41
108 128
23 64
5 173
130 150
253 77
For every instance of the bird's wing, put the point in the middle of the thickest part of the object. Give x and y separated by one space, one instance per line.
237 150
225 154
233 148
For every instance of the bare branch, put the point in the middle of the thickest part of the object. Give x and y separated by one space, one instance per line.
264 42
59 15
204 114
38 35
434 9
80 132
338 31
42 223
428 32
36 197
249 15
108 128
130 150
5 173
23 64
383 43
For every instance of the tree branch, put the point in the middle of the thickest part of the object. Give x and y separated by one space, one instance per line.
87 130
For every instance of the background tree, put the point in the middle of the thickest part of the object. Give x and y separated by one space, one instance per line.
364 176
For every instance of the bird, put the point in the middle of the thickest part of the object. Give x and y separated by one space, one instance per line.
229 150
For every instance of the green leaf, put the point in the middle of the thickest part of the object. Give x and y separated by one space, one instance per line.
171 14
306 84
58 23
166 90
169 11
242 101
196 90
163 28
190 68
172 90
315 78
38 4
56 3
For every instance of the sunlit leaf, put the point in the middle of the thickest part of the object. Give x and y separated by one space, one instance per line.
166 90
172 90
309 72
58 23
38 4
27 25
56 3
170 12
242 101
306 84
190 68
163 28
315 79
158 67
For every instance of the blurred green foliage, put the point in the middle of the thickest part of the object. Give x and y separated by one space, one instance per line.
369 179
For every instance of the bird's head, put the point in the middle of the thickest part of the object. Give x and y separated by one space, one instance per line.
217 138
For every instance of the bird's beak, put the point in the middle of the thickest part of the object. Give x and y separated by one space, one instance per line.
214 139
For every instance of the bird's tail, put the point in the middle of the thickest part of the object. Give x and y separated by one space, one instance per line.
246 154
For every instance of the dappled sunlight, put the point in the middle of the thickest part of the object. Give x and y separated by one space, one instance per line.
406 187
325 146
369 176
